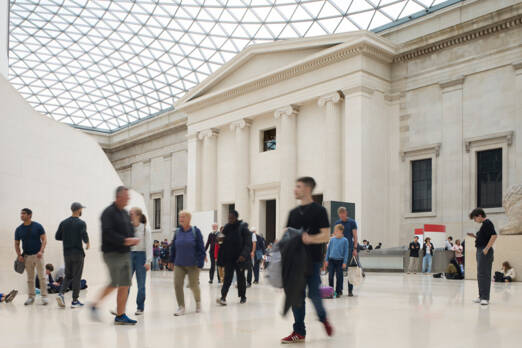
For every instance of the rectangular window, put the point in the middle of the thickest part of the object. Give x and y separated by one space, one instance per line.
489 178
421 186
179 207
269 140
157 213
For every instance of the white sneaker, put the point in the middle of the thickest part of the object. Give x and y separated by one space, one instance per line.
484 302
60 301
477 300
45 301
139 312
181 311
198 307
29 301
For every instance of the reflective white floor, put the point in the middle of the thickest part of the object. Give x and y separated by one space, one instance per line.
389 310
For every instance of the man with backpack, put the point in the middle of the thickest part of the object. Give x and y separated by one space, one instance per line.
234 253
187 257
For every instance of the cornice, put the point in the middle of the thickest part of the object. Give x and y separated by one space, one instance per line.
423 149
506 137
460 39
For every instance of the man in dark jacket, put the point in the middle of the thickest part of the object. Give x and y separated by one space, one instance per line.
117 238
211 242
235 253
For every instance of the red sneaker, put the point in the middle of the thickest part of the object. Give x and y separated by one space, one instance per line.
293 338
328 328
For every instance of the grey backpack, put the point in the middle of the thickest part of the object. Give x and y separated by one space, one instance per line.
19 267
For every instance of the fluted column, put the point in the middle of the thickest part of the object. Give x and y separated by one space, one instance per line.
242 167
209 169
287 148
333 188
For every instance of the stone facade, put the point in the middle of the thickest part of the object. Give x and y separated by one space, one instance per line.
353 111
151 157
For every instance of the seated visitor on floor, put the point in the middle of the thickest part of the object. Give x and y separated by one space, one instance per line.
6 298
506 275
52 286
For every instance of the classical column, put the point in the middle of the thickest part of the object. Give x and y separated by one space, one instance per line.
209 169
333 186
193 171
242 167
451 158
357 106
287 148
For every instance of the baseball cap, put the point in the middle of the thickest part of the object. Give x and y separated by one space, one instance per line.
75 206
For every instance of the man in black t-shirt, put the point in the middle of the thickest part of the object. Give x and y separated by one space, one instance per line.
484 241
414 255
313 219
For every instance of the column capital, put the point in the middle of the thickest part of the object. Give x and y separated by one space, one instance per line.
290 110
333 98
208 133
367 91
192 136
452 84
240 124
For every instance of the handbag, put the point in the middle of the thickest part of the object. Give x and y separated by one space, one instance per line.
355 276
19 267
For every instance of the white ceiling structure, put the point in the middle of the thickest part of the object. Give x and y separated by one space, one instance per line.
104 65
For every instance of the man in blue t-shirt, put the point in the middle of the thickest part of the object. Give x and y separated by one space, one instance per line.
34 240
350 233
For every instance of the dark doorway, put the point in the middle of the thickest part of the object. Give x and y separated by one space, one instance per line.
270 221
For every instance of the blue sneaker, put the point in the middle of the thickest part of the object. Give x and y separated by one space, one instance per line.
76 304
60 301
124 320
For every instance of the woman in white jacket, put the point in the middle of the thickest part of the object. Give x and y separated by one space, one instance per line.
141 255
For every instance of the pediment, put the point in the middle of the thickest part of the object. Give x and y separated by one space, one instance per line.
264 59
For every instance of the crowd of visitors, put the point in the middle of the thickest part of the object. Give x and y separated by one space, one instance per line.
234 251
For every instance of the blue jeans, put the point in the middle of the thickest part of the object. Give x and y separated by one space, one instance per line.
426 263
155 263
312 282
138 259
335 267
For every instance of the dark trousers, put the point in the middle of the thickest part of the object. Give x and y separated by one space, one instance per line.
312 283
212 267
351 263
484 264
335 267
230 268
73 274
257 265
253 269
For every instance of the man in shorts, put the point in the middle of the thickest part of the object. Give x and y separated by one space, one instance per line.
117 238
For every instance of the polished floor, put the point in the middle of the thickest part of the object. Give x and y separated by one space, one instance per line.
389 310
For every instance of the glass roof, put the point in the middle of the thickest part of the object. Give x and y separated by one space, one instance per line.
104 65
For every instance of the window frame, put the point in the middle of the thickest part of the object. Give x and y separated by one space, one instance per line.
262 133
408 155
412 162
156 213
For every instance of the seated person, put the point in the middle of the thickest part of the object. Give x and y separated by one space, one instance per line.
378 246
8 297
454 270
53 287
506 275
